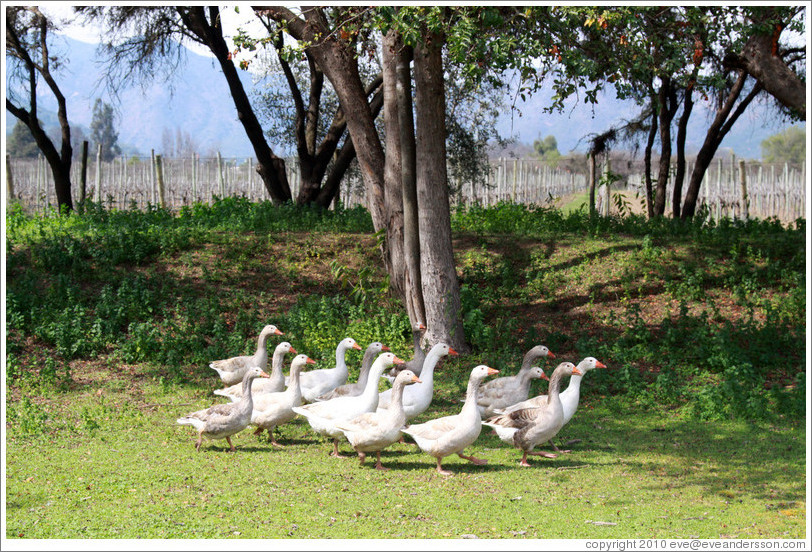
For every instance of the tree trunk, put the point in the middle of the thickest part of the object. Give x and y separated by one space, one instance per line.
652 135
393 185
682 131
759 58
722 123
667 102
440 283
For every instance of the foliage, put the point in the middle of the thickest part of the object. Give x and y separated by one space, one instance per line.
788 146
102 130
547 150
21 143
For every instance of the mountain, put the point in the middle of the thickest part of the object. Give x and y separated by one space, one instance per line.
197 101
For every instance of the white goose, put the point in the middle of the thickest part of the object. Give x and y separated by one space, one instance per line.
529 427
231 370
355 389
323 416
374 431
448 435
221 421
495 398
319 382
570 397
416 364
511 386
417 398
273 384
274 409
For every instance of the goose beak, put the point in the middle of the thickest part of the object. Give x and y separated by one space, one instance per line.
550 354
492 371
293 351
599 364
545 376
397 360
452 352
277 332
385 348
264 374
416 379
577 372
310 361
356 346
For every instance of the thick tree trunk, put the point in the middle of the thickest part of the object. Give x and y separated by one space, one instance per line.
440 283
760 59
726 116
413 285
393 186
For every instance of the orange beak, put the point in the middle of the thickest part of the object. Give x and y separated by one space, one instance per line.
421 326
576 372
599 364
492 371
277 332
264 374
293 351
452 352
544 376
550 354
385 348
310 361
356 346
397 360
416 379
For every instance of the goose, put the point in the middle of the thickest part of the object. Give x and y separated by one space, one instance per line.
448 435
416 364
319 382
529 427
355 389
569 397
511 386
273 384
374 431
231 370
274 409
221 421
417 398
494 398
322 416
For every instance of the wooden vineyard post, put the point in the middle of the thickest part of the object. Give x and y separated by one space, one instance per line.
159 175
83 179
745 201
9 179
97 191
220 175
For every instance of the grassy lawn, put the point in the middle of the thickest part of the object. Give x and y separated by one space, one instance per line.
697 429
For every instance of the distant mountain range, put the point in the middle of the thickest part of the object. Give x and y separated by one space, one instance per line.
197 102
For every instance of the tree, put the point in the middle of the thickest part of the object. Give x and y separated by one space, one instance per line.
27 39
547 150
788 146
102 130
141 41
21 143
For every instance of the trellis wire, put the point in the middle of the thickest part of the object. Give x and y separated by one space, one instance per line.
773 190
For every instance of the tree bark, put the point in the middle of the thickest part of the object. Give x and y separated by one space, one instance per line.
760 59
682 132
440 283
667 102
726 116
652 135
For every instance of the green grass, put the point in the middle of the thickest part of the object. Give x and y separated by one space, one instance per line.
695 430
116 466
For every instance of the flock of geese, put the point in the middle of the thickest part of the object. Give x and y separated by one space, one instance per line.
371 420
